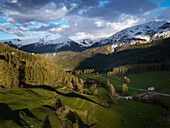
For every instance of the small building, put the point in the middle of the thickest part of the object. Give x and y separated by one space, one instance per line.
151 88
128 97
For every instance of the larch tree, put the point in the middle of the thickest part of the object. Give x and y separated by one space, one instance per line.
126 80
112 89
124 89
108 83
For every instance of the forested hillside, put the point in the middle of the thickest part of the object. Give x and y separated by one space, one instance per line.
149 53
19 68
70 60
102 58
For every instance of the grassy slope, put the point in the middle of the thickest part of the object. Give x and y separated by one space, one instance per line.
23 108
114 116
160 80
116 80
122 115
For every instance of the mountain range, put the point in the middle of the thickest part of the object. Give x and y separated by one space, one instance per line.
137 34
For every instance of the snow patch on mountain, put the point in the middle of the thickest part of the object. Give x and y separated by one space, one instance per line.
85 42
19 43
60 45
138 34
60 40
143 33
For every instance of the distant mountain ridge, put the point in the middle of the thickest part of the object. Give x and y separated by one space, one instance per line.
137 34
52 46
45 46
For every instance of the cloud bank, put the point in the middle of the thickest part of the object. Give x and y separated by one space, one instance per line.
77 18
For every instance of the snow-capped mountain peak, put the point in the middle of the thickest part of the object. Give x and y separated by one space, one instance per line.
58 40
19 42
85 42
139 34
143 33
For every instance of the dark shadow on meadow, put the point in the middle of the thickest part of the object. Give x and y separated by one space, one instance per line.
6 113
71 94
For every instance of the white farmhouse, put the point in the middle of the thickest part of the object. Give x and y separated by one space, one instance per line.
151 88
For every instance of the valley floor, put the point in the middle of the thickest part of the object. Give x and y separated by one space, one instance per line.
36 107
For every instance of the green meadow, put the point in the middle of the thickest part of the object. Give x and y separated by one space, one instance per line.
159 80
32 108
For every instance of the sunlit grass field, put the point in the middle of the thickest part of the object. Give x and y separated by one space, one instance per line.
159 80
26 108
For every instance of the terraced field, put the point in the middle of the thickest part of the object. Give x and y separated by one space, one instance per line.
32 107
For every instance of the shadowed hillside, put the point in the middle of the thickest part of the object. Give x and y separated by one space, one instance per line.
154 52
69 60
102 58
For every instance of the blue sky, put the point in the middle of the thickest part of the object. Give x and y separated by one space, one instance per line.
165 3
77 19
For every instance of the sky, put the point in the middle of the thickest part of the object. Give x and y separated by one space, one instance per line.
76 19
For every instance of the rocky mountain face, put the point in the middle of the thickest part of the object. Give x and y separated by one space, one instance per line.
143 33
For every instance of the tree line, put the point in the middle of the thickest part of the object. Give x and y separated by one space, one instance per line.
85 71
139 68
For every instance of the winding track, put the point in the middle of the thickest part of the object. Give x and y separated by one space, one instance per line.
145 90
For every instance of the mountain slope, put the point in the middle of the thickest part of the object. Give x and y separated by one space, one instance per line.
69 60
17 43
85 42
52 46
45 46
103 58
154 52
137 34
18 68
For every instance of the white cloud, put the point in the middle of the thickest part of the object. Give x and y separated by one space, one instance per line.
46 13
97 22
90 28
10 20
56 30
83 35
122 25
13 1
5 25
